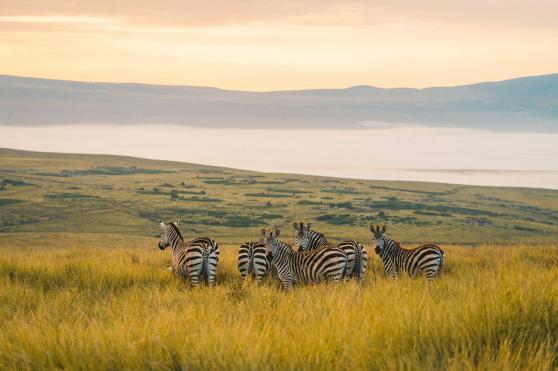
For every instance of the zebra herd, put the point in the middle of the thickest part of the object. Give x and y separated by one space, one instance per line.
315 259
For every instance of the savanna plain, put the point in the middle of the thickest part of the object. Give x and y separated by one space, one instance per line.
84 286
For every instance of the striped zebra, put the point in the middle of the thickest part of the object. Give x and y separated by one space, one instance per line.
194 260
357 256
425 260
252 259
294 267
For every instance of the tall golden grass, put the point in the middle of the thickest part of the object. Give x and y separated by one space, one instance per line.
108 302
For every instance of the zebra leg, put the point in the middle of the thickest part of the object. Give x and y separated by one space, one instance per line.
430 273
287 285
259 276
211 270
337 278
350 265
243 269
211 278
195 272
362 271
194 280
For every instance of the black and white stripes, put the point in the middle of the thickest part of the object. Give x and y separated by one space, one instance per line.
315 260
294 267
425 260
194 260
252 260
357 258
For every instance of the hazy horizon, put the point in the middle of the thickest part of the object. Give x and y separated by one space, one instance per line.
460 156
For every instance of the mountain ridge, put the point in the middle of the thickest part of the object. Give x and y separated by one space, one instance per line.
519 104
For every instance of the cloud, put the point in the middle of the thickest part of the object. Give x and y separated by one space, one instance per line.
188 13
279 44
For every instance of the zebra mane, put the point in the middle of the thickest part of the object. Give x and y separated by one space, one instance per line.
320 235
284 244
176 230
396 243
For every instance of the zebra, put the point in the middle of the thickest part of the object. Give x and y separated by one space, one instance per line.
293 267
252 259
357 256
426 259
193 260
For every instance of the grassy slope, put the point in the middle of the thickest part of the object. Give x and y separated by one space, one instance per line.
105 300
78 193
71 301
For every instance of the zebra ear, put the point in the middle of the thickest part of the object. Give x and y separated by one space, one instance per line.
383 228
308 225
277 232
161 223
372 227
263 232
177 222
295 225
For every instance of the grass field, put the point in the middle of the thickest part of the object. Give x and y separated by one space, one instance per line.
98 301
84 286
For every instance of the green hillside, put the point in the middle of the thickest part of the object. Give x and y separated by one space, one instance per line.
47 192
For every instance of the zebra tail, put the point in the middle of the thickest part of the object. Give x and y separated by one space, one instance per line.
251 270
358 262
206 268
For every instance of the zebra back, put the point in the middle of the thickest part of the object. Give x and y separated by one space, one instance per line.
192 260
252 259
425 259
357 259
201 258
326 263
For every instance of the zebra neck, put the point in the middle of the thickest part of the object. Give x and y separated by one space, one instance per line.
282 253
391 248
323 242
177 244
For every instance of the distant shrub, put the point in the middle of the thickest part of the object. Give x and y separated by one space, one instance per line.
309 202
14 183
110 170
343 191
286 190
269 195
337 219
9 201
344 205
69 196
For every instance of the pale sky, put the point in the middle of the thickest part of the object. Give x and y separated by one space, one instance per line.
280 44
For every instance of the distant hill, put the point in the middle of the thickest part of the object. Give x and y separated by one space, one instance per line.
55 192
523 104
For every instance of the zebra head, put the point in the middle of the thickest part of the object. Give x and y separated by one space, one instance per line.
271 241
302 237
378 236
169 232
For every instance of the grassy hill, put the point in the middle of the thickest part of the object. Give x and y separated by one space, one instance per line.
48 192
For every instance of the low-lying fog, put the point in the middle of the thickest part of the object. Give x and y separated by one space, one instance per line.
397 153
